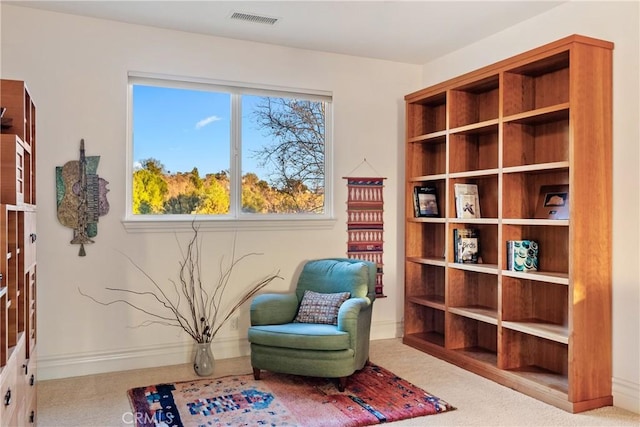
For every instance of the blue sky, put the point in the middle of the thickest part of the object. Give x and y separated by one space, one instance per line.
184 129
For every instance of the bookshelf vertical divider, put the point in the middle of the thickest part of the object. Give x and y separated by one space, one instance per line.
541 118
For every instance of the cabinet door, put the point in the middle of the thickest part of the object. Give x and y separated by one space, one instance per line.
29 244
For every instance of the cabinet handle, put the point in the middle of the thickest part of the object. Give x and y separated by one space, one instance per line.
26 368
33 237
32 380
7 398
32 417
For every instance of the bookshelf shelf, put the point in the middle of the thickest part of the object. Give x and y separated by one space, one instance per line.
483 314
510 129
540 329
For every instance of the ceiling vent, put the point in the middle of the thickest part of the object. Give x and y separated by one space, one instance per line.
257 19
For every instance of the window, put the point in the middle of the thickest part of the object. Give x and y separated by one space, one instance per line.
223 151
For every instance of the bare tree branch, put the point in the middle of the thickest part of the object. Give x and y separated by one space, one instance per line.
202 321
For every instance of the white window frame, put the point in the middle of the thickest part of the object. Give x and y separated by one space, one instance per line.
236 219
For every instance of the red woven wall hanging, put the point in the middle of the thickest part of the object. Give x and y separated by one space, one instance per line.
365 225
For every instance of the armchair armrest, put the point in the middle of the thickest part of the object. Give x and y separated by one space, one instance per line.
273 309
354 317
349 313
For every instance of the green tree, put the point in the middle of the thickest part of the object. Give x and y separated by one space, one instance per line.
149 188
182 204
214 199
254 192
195 179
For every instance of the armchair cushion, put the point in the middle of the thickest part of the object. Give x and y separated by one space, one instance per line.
303 336
322 308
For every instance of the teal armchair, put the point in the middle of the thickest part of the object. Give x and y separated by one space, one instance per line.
281 344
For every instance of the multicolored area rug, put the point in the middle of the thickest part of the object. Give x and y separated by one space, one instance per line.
372 396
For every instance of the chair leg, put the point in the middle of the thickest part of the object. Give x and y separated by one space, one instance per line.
342 383
256 374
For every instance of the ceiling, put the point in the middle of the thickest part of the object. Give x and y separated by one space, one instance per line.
403 31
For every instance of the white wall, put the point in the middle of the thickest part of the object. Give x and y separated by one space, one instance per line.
617 22
76 69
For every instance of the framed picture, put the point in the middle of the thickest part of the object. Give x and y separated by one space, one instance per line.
425 201
467 200
553 202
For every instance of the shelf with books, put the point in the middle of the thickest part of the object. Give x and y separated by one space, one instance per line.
553 249
427 199
529 185
480 193
487 243
532 133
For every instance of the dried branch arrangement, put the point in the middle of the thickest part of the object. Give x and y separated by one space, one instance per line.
192 306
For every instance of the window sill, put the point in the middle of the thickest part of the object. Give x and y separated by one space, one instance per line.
161 225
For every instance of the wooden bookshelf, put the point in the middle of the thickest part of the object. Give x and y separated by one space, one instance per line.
539 118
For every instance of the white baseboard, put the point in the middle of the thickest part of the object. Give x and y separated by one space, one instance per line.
73 365
385 330
626 395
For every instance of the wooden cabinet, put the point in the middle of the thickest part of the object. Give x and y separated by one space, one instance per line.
18 281
541 118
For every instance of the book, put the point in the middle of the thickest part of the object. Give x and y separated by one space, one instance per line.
467 200
522 255
466 245
553 202
425 201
